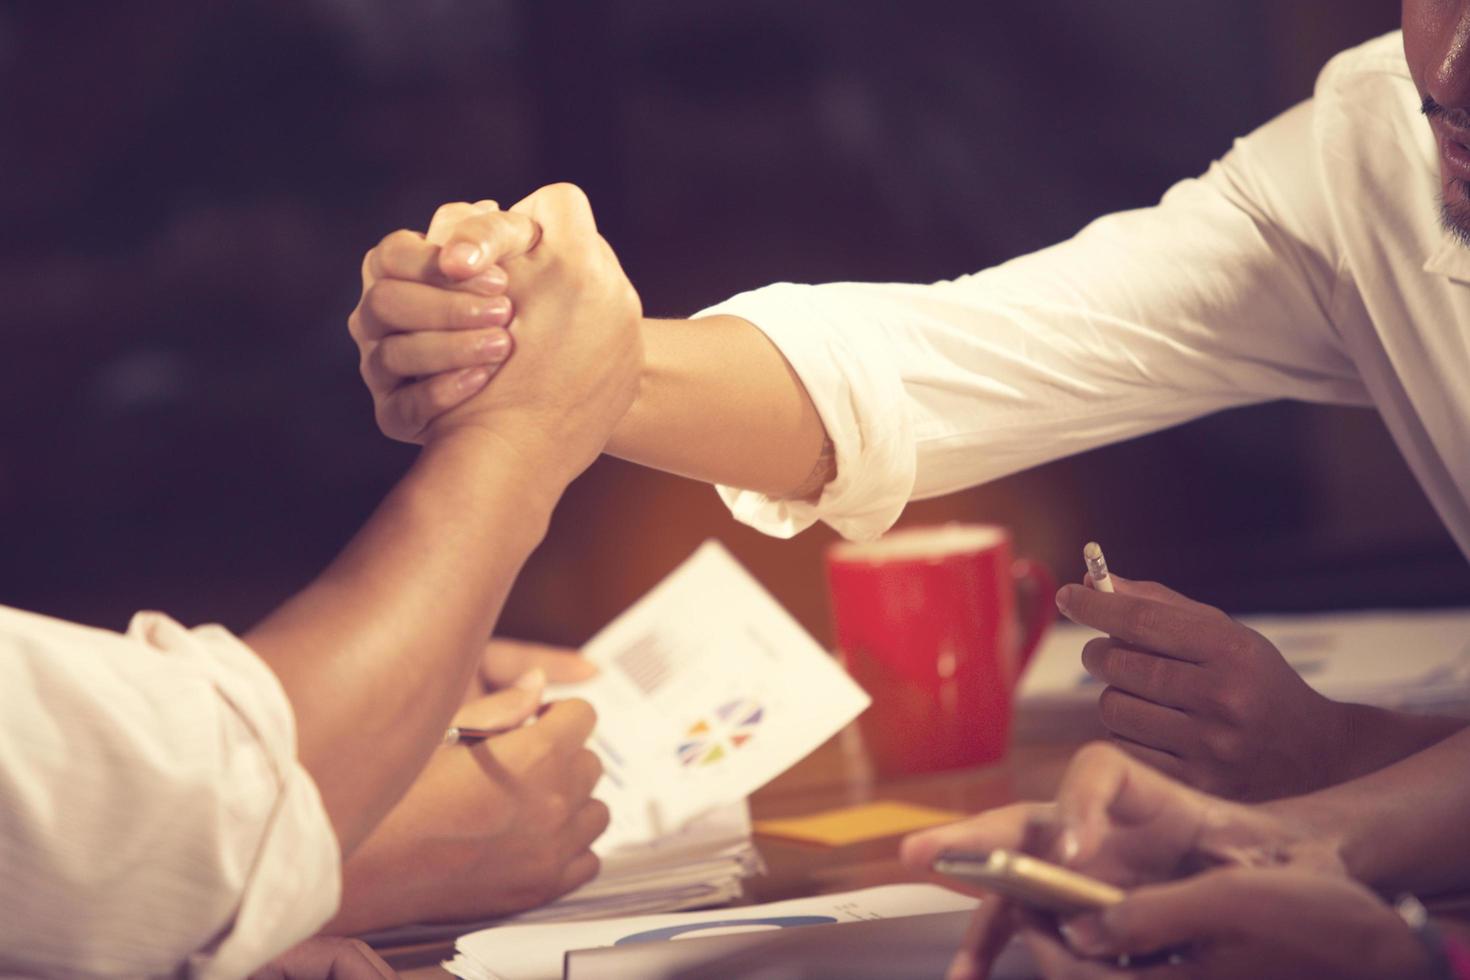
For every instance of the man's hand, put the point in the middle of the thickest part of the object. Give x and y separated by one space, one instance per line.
1202 698
1118 820
487 829
326 958
431 323
570 294
1239 922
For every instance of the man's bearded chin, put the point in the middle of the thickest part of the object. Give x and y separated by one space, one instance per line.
1454 210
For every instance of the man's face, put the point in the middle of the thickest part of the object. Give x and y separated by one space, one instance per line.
1437 45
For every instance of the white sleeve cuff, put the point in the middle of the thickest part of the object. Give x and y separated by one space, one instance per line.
841 356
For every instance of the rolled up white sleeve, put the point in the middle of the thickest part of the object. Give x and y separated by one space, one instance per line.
1219 296
154 819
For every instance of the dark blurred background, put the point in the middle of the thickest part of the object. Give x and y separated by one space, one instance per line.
186 191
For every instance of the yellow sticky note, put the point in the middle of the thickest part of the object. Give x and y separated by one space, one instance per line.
852 824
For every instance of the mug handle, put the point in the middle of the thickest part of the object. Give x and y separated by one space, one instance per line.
1035 592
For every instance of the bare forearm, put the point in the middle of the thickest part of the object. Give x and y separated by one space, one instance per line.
1376 737
1404 826
376 652
717 402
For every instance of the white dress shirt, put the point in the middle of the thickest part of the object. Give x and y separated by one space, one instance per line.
154 820
1308 263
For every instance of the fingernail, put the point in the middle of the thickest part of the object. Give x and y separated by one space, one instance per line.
491 282
1064 599
493 345
1086 934
473 379
489 312
465 254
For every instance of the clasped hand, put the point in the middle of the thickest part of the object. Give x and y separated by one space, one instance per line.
433 327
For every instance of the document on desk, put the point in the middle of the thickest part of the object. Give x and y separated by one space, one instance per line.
708 690
535 952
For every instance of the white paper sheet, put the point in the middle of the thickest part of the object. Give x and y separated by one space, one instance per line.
708 690
535 952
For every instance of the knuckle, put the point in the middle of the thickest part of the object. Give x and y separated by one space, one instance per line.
396 250
441 393
1112 709
1223 744
1232 704
1095 654
566 193
1143 619
1240 647
451 210
378 299
392 355
556 809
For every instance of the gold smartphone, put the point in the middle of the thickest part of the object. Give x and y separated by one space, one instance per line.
1031 881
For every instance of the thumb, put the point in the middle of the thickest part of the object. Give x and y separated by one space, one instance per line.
508 708
1159 917
449 215
485 238
561 206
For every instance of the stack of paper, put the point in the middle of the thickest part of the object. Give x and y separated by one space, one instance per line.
699 866
1409 660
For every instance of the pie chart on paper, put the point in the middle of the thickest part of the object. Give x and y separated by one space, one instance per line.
716 737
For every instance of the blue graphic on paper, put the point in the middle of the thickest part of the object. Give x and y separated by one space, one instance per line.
678 932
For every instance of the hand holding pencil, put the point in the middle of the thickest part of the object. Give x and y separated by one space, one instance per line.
1199 696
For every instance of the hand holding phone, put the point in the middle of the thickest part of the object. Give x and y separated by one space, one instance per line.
1030 881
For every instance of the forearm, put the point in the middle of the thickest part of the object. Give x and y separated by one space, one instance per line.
717 402
1402 827
1376 737
376 652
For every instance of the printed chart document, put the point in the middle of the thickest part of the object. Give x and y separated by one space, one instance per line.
708 690
536 952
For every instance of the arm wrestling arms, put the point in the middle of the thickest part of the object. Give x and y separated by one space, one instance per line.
376 653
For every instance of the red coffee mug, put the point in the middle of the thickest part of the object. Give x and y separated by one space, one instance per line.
928 623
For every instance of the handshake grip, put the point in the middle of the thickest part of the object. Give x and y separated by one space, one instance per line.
567 357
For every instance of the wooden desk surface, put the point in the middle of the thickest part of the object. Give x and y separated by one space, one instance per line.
836 775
